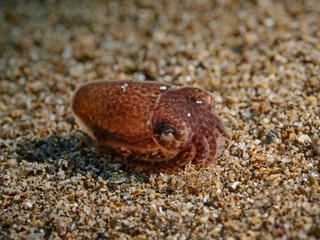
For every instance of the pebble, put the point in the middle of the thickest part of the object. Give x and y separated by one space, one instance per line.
12 162
37 86
16 113
316 144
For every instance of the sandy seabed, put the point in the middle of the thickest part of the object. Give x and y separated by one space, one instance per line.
261 61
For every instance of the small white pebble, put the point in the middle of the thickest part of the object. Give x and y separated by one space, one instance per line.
245 155
120 180
257 141
266 120
67 52
28 205
189 205
59 101
167 78
198 101
235 185
163 88
276 141
281 59
204 219
141 77
153 208
52 117
303 138
189 114
191 68
218 99
268 22
247 114
161 72
270 159
12 162
281 68
177 70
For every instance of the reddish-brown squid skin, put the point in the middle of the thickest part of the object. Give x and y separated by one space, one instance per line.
151 126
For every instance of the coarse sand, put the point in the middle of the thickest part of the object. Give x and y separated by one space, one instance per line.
259 58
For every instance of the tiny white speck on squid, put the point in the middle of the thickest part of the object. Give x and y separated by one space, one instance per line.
198 101
189 114
124 87
163 88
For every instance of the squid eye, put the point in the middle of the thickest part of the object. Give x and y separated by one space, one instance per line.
164 129
167 136
171 135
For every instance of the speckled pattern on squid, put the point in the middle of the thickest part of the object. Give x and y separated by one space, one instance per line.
151 125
